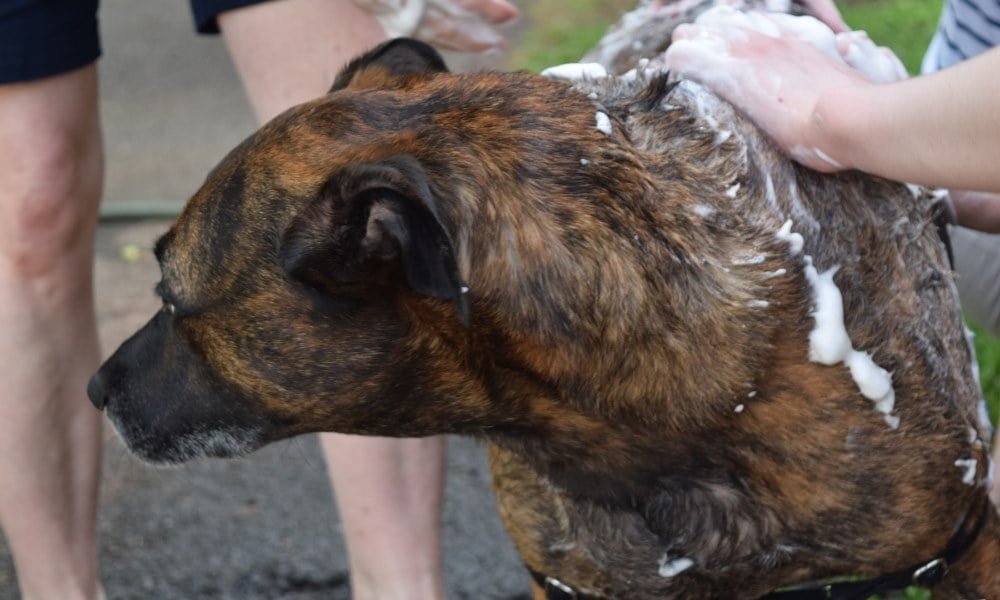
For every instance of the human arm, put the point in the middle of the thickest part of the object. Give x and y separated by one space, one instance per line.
460 25
976 210
939 130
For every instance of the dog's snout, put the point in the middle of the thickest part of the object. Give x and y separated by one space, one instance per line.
97 391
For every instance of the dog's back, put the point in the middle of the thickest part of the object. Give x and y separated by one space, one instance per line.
821 470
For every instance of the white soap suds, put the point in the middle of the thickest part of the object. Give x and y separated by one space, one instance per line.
673 567
464 289
969 464
805 28
402 21
576 71
879 65
829 344
703 211
739 408
758 304
603 123
806 155
798 209
772 198
750 260
781 6
794 240
854 48
704 102
728 18
732 191
827 158
624 34
775 273
585 161
970 339
752 393
983 413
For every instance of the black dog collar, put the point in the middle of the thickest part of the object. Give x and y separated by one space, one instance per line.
925 574
557 590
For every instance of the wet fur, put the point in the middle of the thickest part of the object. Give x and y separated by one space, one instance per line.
612 326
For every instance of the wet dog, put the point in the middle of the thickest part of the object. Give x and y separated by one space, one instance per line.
616 282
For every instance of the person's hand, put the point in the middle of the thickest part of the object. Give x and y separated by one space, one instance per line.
777 68
461 25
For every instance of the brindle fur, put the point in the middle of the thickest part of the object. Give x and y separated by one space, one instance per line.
612 325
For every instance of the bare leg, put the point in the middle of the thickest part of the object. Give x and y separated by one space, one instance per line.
51 167
289 51
389 491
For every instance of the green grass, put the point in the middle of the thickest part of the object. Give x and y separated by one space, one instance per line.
906 26
562 30
988 353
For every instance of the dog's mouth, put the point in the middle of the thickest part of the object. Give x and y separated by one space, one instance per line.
156 446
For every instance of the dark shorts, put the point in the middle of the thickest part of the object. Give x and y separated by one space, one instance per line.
206 11
41 38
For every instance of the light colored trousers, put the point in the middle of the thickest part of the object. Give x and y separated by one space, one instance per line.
977 261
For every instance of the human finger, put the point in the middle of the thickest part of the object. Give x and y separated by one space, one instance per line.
878 64
827 12
463 35
497 12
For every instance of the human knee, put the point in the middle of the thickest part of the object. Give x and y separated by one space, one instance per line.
49 192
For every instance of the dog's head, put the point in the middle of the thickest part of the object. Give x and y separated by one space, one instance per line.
319 279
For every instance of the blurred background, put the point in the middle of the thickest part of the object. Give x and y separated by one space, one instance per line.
265 526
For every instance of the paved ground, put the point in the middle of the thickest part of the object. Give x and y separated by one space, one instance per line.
261 527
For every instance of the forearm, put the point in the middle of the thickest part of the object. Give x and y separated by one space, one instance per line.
977 210
939 130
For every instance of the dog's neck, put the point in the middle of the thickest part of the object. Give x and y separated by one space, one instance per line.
673 327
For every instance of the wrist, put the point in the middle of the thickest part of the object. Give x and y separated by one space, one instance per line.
837 126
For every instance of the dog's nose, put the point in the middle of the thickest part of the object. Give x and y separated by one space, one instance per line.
95 389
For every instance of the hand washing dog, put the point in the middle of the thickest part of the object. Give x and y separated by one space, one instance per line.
703 371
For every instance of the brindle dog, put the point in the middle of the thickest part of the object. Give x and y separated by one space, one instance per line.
420 252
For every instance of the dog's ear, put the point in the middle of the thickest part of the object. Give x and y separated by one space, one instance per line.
373 222
388 63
